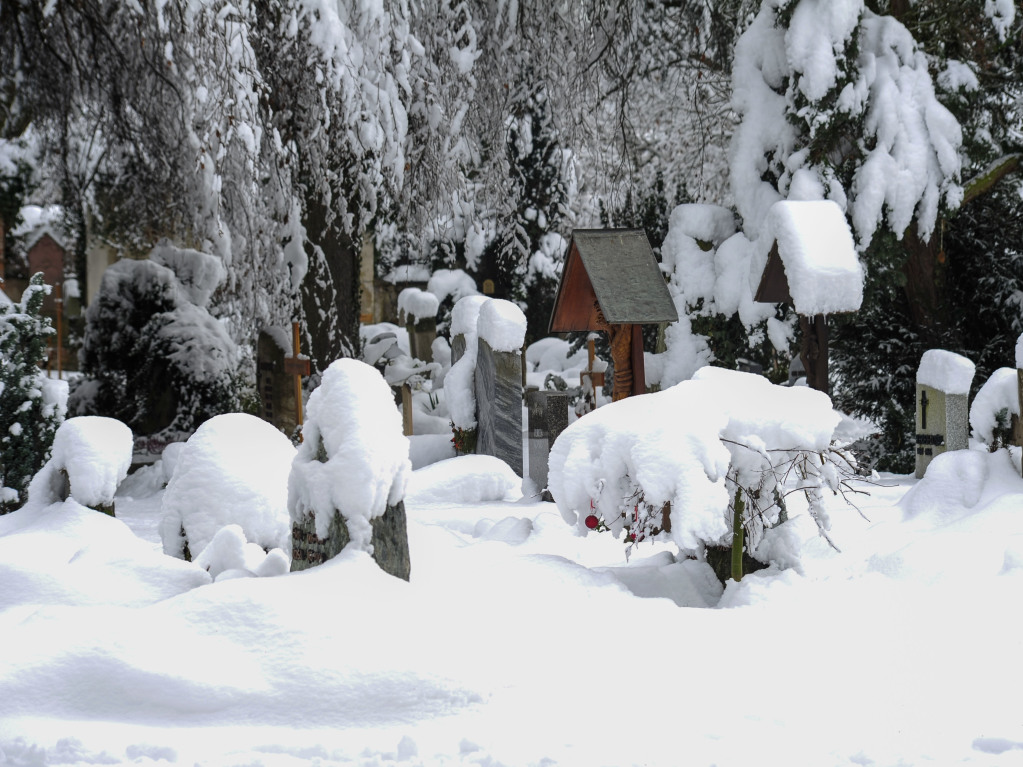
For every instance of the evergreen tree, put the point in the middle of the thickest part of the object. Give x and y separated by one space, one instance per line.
31 406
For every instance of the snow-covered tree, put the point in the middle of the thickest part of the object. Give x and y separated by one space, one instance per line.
152 354
31 405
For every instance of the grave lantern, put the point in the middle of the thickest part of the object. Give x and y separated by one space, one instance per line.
612 282
812 265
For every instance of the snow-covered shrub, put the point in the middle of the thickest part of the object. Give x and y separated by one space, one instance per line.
31 404
993 408
353 458
696 458
233 470
152 354
91 456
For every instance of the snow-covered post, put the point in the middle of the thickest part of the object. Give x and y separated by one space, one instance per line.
813 264
498 381
942 405
347 482
419 309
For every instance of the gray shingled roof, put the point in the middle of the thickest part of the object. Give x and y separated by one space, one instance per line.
625 276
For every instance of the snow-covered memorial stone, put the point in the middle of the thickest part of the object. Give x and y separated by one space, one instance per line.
419 308
347 481
703 463
91 455
942 405
812 265
232 472
484 385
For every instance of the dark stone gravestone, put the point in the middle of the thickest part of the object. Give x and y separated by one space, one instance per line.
548 417
499 404
275 384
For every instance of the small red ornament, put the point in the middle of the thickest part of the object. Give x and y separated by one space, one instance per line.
592 521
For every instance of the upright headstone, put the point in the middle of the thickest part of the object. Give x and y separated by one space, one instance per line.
501 330
499 404
276 386
548 417
419 310
942 405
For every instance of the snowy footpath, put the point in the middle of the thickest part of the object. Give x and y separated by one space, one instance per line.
518 642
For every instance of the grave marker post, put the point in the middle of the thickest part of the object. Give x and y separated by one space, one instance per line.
297 366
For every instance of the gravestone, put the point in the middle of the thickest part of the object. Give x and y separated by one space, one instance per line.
390 542
548 417
353 461
942 405
275 384
457 347
499 404
421 334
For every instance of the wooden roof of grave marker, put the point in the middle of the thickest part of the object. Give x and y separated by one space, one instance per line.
616 270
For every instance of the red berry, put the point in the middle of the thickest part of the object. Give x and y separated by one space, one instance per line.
592 521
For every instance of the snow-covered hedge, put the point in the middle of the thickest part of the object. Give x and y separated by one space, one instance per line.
695 446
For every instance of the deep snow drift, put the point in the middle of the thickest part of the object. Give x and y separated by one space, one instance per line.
520 642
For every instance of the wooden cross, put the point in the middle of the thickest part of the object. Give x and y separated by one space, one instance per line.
923 409
297 366
596 376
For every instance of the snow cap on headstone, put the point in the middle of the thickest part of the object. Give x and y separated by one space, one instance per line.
502 325
945 371
417 304
816 247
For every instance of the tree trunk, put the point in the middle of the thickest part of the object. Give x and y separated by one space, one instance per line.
330 291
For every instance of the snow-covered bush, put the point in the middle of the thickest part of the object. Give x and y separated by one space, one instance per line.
31 404
705 460
993 408
153 356
233 470
91 456
353 458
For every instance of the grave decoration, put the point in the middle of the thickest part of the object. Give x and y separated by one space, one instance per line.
347 482
612 283
942 393
995 411
812 265
90 457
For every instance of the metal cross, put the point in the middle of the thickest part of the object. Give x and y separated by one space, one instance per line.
923 409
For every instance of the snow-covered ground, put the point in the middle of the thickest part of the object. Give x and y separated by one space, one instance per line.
519 642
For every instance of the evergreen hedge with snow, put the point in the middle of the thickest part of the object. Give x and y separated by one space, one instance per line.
152 354
31 404
705 461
